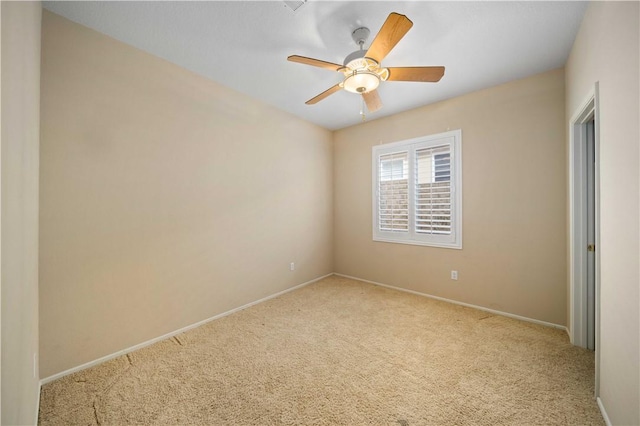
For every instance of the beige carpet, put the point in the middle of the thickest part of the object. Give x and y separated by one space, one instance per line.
340 352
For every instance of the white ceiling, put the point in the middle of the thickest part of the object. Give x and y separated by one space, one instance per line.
244 45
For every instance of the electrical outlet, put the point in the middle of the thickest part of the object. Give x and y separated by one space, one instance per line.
454 275
292 266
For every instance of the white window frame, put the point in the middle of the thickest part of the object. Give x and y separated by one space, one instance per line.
454 240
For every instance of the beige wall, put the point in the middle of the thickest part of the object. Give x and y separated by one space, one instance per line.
513 153
19 217
606 51
165 198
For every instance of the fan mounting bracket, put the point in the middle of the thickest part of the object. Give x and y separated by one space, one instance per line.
360 35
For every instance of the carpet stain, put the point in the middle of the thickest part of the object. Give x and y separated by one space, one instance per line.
178 341
403 422
129 359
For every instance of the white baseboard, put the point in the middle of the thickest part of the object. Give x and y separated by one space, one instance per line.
455 302
38 403
607 421
171 334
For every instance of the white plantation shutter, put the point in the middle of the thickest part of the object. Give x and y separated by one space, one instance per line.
393 187
433 190
417 191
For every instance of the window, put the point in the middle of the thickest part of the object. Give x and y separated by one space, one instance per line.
417 191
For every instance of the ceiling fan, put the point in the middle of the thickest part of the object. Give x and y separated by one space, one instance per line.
362 70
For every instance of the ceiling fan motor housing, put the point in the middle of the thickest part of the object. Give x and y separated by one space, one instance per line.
355 59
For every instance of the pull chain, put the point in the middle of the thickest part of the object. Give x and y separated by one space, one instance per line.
362 110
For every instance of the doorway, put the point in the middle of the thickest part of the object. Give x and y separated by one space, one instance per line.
584 287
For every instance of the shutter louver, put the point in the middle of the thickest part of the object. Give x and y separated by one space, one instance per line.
393 192
433 190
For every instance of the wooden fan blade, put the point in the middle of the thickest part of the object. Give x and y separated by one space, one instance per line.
392 31
323 95
425 74
373 101
314 62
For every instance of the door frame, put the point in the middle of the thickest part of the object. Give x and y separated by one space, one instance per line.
578 222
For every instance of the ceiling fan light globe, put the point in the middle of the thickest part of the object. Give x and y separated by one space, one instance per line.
361 82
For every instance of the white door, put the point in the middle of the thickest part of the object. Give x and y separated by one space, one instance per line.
591 235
